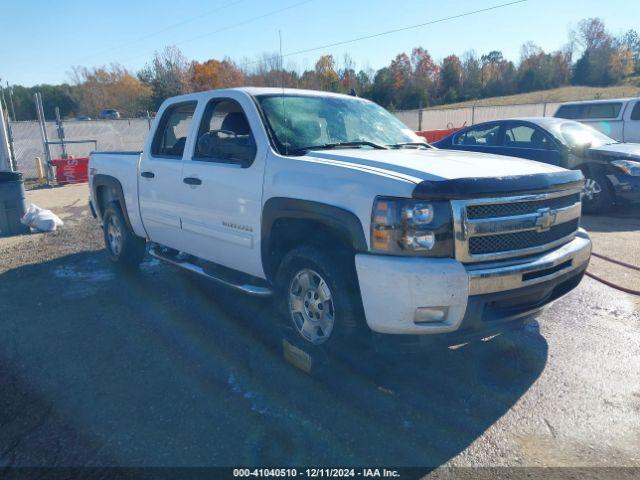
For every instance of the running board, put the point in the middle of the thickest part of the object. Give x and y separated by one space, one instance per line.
254 290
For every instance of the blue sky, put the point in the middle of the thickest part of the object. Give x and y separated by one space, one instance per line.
42 40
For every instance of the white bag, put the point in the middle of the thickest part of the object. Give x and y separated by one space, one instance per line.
41 219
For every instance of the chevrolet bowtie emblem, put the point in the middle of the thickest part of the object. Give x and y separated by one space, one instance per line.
546 219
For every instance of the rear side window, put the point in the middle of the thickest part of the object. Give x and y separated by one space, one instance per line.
483 136
171 136
224 135
602 110
588 111
635 113
570 112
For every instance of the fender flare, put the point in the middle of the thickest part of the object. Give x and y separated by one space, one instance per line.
345 223
101 180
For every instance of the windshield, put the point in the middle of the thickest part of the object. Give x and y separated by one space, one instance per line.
301 121
576 134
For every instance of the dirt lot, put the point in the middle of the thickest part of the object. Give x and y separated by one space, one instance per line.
160 369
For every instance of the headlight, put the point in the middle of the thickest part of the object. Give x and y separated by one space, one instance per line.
628 166
409 227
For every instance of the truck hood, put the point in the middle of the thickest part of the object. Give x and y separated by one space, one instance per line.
627 151
433 164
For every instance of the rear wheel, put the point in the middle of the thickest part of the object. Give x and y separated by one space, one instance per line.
596 194
124 247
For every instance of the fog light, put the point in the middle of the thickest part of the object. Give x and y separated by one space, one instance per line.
431 314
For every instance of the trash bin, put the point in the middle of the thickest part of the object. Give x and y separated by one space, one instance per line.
12 204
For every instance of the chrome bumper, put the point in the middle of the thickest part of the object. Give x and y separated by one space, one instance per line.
501 276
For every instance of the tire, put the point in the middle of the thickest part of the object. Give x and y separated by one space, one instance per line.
596 195
124 248
319 298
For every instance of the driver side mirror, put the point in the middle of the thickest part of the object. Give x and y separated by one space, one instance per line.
581 150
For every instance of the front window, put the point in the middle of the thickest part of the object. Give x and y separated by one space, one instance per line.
301 121
576 134
481 136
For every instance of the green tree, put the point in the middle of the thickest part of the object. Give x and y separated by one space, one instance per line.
451 76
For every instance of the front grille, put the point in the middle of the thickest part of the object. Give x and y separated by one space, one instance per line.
492 210
520 240
488 229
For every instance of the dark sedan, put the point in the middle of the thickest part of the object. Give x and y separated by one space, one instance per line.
611 169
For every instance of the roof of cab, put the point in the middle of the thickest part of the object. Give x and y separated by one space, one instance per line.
599 100
256 91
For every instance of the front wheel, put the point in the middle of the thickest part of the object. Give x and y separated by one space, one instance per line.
319 296
124 247
596 194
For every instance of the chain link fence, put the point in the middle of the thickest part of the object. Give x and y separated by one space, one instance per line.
130 134
442 118
124 134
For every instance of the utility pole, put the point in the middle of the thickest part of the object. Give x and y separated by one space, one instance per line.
13 110
5 156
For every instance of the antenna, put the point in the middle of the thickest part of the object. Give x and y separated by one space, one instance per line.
284 110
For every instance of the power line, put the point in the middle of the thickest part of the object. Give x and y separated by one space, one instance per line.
164 29
235 25
389 32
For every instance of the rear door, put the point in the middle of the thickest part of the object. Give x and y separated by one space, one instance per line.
525 140
160 182
632 122
221 186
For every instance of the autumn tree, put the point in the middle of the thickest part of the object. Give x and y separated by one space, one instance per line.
498 74
166 75
592 68
214 74
425 76
326 74
109 87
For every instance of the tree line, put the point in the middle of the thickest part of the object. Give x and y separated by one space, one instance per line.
592 56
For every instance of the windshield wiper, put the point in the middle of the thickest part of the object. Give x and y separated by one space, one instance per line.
328 146
410 144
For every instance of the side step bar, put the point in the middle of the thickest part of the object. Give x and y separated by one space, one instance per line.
254 290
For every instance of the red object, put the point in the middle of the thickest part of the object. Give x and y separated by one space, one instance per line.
435 135
71 170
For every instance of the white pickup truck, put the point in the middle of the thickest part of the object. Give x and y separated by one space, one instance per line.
333 205
616 118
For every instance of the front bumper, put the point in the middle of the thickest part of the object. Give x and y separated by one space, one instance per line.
626 188
436 297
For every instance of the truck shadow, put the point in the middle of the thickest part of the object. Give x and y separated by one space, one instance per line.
160 368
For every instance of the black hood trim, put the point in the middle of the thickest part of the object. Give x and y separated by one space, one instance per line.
460 188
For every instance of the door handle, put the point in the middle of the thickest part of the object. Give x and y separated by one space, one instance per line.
192 181
148 174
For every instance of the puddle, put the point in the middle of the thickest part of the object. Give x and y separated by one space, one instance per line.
79 281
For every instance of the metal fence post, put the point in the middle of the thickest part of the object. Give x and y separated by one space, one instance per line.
45 139
544 109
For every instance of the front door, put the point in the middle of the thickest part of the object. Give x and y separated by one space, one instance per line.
525 140
222 185
632 122
161 175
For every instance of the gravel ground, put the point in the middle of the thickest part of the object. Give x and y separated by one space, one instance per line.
158 368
